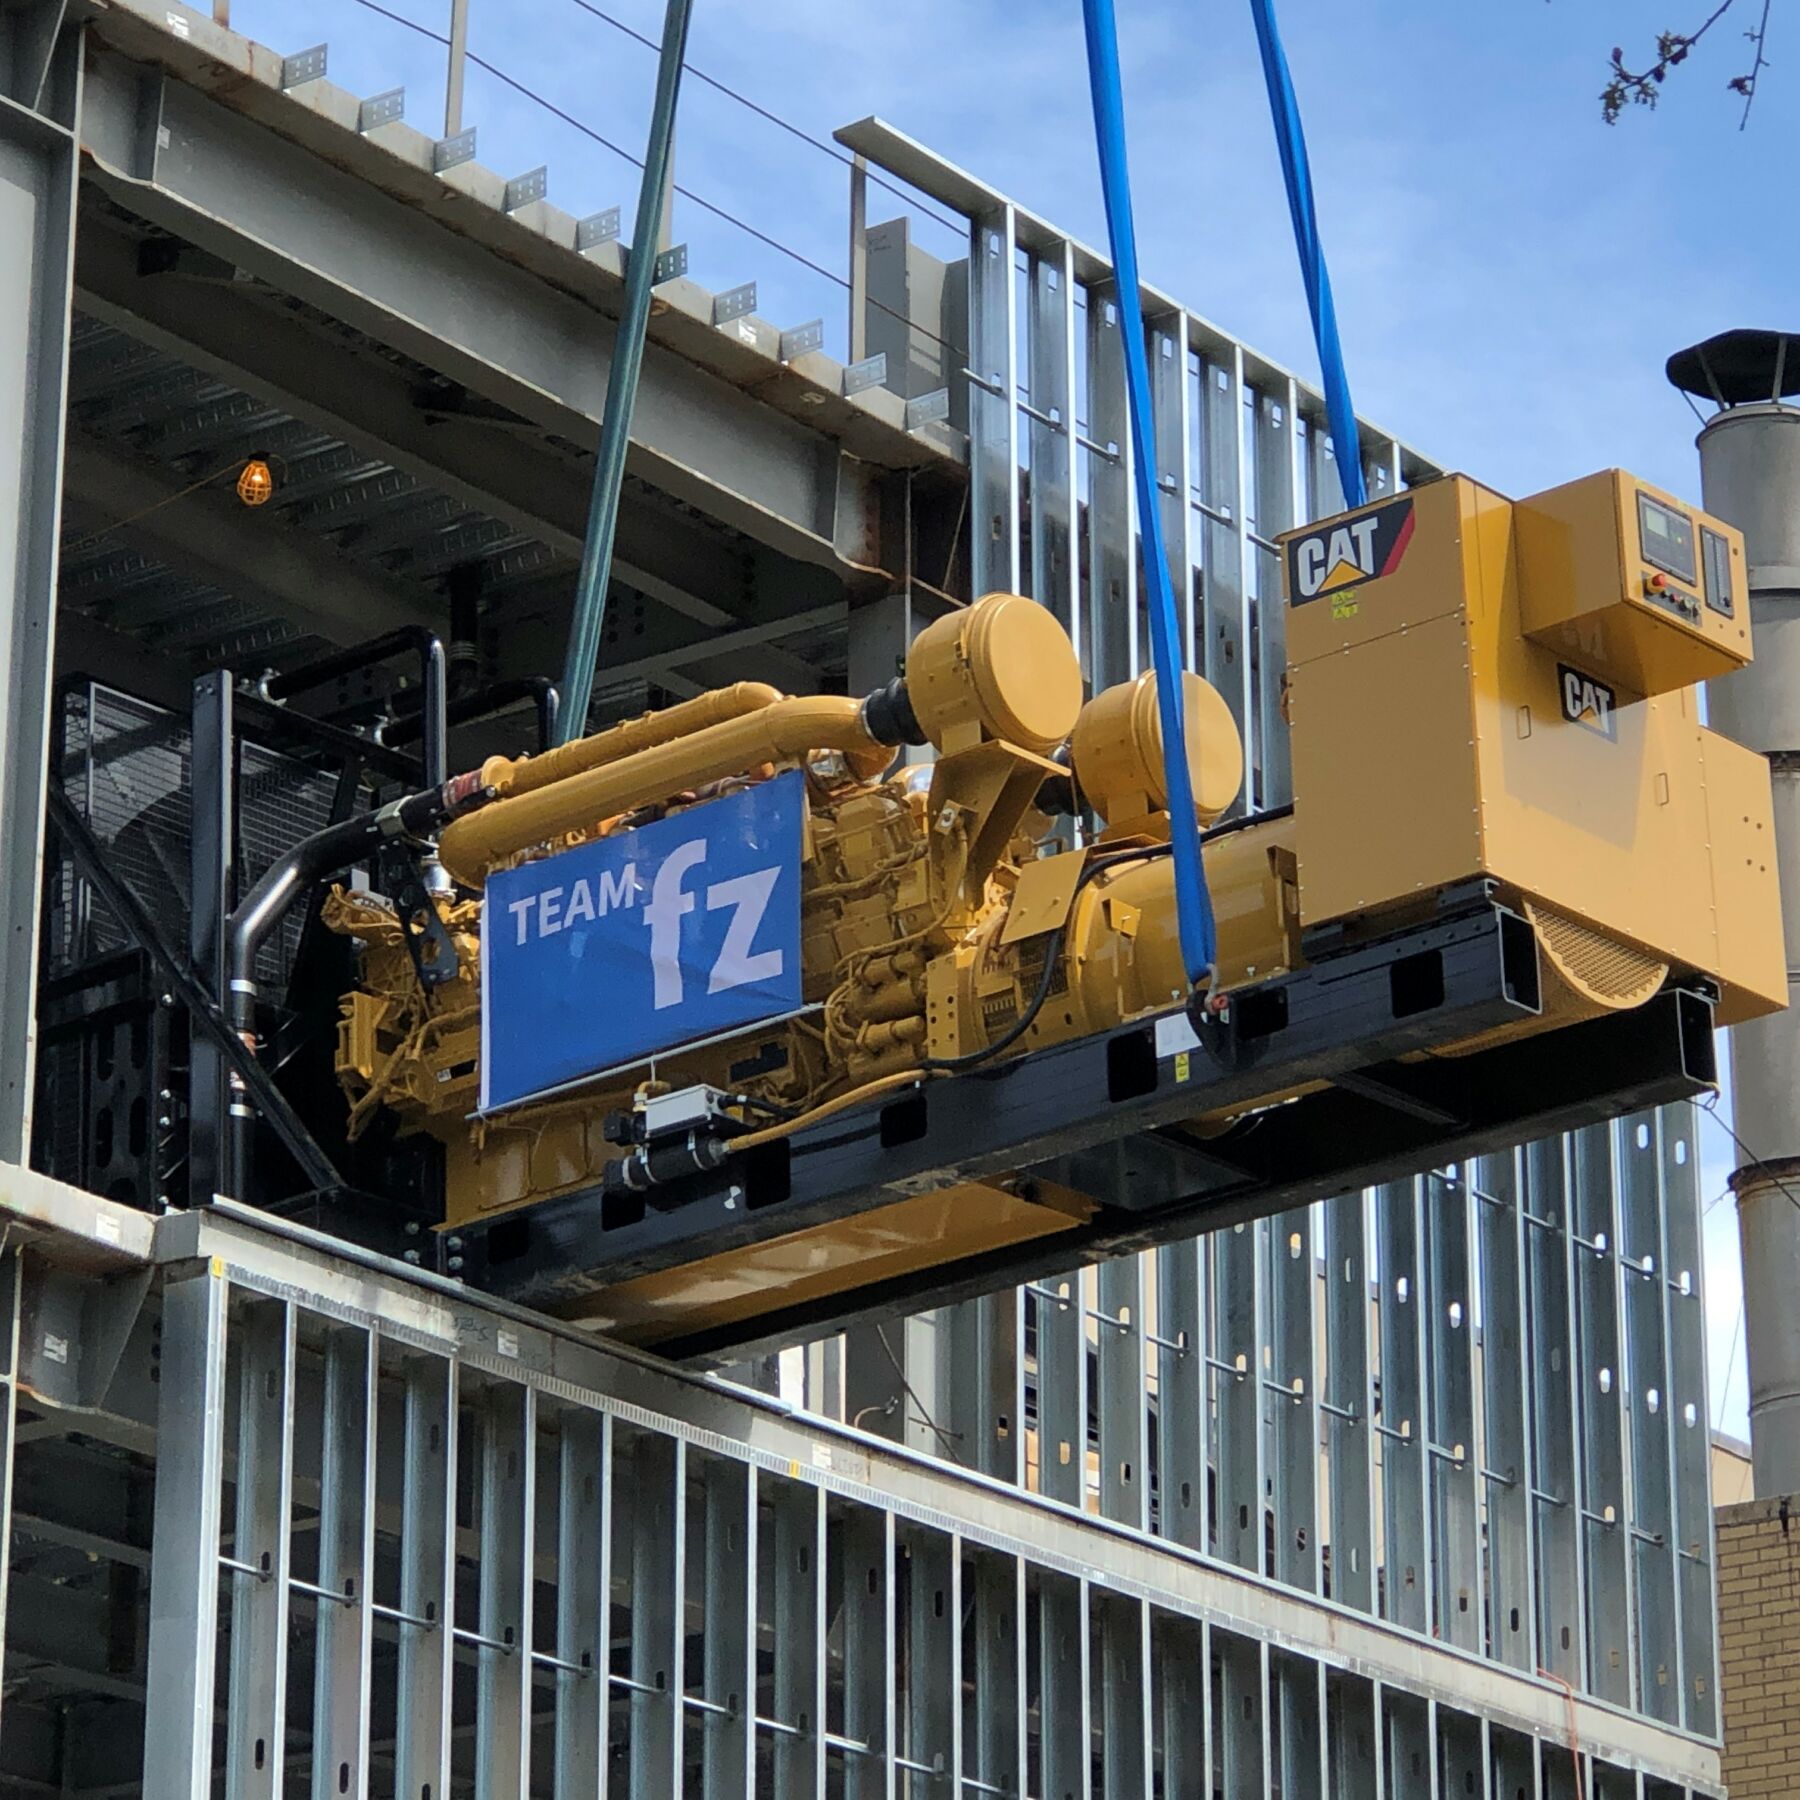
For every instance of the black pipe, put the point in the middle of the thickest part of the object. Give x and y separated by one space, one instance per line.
433 685
314 859
484 703
189 988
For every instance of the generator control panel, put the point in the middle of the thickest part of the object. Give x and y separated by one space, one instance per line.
1647 593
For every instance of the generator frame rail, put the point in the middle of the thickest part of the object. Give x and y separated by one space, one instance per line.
1098 1116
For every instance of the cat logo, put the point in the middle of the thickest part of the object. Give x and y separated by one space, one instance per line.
1587 702
1362 547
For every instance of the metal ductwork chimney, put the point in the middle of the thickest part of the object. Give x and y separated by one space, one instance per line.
1750 477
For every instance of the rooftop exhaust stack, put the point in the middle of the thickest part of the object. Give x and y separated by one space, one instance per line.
1750 472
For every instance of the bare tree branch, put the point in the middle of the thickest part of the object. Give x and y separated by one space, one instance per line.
1746 84
1643 87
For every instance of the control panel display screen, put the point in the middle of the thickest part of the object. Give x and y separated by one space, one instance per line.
1668 539
1717 551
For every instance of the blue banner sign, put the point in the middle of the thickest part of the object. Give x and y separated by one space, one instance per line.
611 952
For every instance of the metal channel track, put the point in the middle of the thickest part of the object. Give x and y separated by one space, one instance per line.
513 1561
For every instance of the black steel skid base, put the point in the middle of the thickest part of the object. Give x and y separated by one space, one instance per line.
1099 1116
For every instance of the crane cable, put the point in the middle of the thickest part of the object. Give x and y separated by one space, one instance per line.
1193 904
1296 172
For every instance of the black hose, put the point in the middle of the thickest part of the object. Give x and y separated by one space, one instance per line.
1053 952
312 860
434 686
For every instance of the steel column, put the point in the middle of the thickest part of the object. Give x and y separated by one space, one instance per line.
38 157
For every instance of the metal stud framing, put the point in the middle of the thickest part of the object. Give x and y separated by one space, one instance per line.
1460 1403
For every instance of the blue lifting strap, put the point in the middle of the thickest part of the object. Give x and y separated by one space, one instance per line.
1193 905
1346 440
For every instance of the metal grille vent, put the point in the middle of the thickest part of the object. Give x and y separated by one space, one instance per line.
1602 971
126 765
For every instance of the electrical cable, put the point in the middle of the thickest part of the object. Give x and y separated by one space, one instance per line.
106 531
1711 1107
945 1437
1296 174
1053 952
882 1084
709 206
787 125
1193 904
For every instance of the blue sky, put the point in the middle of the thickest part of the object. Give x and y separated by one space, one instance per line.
1510 272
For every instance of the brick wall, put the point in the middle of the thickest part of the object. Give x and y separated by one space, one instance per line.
1759 1647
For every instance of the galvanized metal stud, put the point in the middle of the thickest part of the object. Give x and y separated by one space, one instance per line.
1181 1386
1124 1419
1506 1473
1061 1308
256 1726
993 410
1604 1502
1448 1316
583 1605
1649 1419
1064 1729
1347 1402
1237 1394
501 1641
1691 1418
1111 610
1551 1361
1050 434
184 1563
1402 1424
427 1577
1291 1396
346 1566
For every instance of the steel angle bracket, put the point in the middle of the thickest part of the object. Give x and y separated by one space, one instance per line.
1102 1116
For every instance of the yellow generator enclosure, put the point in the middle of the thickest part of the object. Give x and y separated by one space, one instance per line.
1513 681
